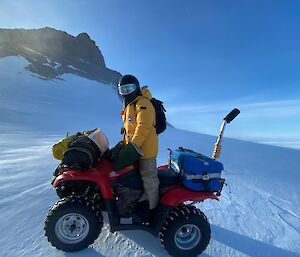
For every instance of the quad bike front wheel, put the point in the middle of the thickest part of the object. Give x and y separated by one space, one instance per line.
186 232
73 223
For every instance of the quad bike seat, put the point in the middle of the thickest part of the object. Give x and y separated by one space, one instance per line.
167 177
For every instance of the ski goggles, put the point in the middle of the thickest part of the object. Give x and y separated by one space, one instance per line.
126 89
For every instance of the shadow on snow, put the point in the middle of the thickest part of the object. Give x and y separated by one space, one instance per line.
247 245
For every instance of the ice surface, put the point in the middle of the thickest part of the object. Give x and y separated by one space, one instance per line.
258 213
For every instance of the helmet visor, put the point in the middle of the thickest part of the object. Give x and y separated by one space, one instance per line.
126 89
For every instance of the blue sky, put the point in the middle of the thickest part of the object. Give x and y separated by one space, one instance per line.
202 58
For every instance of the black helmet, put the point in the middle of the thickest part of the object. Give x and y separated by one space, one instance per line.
128 84
129 88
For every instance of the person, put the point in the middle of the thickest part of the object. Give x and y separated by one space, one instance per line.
141 139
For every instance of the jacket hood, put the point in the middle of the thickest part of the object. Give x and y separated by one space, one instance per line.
146 93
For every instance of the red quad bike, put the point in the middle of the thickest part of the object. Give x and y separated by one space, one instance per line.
75 222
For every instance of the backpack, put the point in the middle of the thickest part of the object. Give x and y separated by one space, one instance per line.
161 121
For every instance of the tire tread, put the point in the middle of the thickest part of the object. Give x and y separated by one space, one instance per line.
178 216
67 202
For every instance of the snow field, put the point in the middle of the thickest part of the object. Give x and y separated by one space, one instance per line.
257 215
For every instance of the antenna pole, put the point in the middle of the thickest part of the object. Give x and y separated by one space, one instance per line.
218 146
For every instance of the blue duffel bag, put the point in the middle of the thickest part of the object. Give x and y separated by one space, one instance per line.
197 172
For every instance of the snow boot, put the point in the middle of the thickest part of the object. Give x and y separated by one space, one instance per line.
142 214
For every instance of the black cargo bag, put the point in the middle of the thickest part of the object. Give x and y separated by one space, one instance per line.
82 153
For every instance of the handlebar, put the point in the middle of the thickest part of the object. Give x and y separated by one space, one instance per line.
230 116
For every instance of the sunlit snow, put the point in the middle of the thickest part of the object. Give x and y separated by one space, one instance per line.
258 213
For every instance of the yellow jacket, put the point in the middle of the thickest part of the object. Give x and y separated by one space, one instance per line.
139 123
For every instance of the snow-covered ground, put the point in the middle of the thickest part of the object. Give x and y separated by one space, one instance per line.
258 213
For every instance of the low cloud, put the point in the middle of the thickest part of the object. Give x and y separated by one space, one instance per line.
274 122
276 108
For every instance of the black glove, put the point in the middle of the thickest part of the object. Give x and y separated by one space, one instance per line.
112 154
129 155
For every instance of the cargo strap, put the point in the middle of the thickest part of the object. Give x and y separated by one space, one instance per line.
205 181
203 177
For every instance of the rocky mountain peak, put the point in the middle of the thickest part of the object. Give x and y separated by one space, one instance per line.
84 36
52 53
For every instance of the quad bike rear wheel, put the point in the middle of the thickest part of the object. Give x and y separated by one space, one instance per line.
186 232
73 223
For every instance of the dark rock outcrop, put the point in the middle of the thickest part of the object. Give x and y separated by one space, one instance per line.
52 53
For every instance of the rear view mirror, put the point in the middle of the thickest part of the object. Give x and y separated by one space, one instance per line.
230 116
